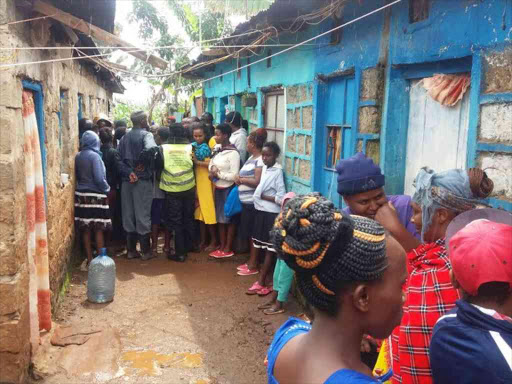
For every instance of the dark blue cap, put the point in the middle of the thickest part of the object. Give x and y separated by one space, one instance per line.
358 174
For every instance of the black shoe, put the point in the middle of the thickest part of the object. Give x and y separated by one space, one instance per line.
145 247
178 258
131 246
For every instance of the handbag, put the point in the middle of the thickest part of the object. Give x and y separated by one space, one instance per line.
232 206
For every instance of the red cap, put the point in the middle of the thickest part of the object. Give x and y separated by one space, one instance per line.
480 253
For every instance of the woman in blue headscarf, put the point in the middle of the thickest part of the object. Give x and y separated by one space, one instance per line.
429 294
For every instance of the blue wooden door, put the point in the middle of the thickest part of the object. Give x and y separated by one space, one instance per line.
335 133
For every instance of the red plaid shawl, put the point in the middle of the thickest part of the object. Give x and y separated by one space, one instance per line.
429 295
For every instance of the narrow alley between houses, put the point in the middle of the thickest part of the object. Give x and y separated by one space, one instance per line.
187 323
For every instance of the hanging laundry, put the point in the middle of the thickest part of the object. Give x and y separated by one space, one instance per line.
37 241
447 89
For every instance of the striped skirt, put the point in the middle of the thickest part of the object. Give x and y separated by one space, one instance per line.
92 211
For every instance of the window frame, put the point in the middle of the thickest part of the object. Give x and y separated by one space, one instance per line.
273 93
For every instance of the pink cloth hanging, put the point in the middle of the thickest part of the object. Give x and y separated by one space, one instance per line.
447 89
37 241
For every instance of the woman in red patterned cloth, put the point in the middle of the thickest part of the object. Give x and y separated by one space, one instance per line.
438 199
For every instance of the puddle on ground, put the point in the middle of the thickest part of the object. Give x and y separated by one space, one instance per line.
150 362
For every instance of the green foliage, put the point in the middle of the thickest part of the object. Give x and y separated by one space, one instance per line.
122 111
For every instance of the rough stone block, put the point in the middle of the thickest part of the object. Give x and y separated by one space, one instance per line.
309 145
289 166
7 13
369 120
290 143
13 368
9 338
6 177
296 167
498 166
7 118
292 95
10 94
307 118
304 169
359 147
292 121
12 256
6 213
300 145
373 150
372 84
9 292
498 72
496 123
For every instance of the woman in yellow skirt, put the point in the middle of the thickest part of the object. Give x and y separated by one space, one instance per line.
205 210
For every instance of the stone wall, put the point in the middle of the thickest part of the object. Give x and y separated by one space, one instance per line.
299 138
370 112
495 128
61 141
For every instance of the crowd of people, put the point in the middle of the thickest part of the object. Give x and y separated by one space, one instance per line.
402 289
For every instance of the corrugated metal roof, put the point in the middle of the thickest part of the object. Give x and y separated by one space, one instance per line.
281 14
100 13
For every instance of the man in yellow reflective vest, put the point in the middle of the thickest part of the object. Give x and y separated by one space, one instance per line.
174 160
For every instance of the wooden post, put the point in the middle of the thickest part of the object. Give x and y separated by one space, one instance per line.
98 33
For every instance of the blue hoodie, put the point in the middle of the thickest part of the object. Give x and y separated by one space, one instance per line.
89 167
469 346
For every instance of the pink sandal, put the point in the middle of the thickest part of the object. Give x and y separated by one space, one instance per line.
242 267
255 288
264 291
247 272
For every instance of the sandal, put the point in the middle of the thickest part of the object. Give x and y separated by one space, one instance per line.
211 248
221 254
264 291
265 305
273 311
255 288
247 272
242 267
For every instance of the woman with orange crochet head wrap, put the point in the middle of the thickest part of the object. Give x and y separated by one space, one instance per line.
351 273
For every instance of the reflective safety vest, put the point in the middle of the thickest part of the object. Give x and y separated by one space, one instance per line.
178 172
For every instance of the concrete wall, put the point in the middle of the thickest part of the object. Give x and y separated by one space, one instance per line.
61 143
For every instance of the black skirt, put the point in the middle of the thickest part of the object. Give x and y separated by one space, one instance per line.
246 225
92 211
263 223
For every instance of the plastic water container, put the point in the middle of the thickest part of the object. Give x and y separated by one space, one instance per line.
101 279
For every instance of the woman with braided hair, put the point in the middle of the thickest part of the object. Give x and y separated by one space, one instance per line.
352 274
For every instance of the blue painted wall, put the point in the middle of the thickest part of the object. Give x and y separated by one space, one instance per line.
453 38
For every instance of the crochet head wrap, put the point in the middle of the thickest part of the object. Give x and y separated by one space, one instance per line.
456 190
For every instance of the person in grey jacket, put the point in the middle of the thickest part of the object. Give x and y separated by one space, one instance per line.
137 187
91 204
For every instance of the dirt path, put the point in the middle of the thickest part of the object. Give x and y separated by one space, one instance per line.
169 323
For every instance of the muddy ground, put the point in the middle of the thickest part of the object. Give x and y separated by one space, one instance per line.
169 323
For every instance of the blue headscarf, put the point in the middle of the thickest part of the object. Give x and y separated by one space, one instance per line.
449 189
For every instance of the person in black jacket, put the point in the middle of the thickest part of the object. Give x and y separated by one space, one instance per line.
109 159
